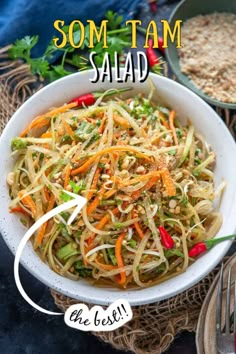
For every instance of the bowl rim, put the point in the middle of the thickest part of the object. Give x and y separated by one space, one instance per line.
148 296
184 79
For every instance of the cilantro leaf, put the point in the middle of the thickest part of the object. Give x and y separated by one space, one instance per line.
76 187
60 70
118 225
114 20
39 66
132 243
184 201
65 215
18 143
83 131
50 50
161 268
83 271
64 231
172 152
22 47
65 197
57 71
66 138
111 254
179 133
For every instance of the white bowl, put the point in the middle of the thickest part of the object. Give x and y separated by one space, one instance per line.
188 106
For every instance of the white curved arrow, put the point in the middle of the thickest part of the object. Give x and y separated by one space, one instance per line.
79 202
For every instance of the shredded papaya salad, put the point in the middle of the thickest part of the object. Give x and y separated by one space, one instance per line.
148 180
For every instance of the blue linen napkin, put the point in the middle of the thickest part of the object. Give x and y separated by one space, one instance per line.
34 17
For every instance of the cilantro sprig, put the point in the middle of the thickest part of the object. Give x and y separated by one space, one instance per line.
118 39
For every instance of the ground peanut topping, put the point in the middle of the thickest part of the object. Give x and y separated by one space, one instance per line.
208 54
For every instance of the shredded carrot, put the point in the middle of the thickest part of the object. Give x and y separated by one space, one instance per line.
115 156
48 171
137 226
46 135
68 128
163 120
110 193
41 233
168 183
42 229
172 126
95 202
43 120
102 126
51 203
121 121
46 193
67 175
129 279
94 184
155 140
116 179
87 249
18 209
89 241
105 219
86 165
93 205
90 120
140 178
119 259
28 202
166 125
38 122
148 185
97 216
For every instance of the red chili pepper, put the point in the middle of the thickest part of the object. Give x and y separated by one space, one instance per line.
166 240
206 245
197 249
153 6
89 99
160 45
151 54
152 57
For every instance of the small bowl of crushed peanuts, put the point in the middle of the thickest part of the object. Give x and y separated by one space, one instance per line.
206 61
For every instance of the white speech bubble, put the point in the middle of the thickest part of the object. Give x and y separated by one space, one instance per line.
96 319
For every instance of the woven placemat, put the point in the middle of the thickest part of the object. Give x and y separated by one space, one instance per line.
153 326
